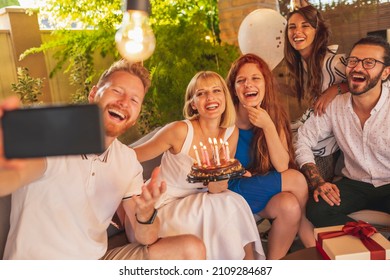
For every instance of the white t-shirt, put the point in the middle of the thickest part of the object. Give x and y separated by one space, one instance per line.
65 214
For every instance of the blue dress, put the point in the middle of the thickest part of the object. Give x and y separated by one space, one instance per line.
258 189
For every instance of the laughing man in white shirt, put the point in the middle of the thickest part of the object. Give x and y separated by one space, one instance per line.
62 206
360 122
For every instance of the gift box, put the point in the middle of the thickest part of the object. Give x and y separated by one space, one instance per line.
352 241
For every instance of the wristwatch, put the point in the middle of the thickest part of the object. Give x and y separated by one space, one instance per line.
150 221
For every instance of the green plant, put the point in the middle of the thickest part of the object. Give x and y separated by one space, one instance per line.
27 87
187 42
75 50
5 3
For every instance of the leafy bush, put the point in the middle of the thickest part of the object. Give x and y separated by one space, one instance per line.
186 43
27 87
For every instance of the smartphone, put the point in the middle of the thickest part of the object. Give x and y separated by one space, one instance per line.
53 131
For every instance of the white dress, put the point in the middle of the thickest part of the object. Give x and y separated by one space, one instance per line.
223 221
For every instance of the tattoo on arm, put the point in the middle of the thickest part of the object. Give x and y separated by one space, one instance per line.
313 176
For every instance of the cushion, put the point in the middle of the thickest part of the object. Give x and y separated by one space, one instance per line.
372 217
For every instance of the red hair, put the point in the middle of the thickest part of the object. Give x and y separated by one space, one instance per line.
261 162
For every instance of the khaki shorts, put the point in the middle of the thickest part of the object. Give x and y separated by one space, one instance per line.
132 251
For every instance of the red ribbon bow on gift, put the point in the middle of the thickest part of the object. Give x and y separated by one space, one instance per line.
359 229
363 231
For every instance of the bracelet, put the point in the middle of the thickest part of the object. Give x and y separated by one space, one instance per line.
150 221
338 89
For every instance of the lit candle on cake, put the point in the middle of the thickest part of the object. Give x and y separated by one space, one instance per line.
212 148
202 152
216 152
197 156
206 154
227 151
223 148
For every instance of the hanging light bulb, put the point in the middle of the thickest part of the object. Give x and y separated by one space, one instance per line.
135 39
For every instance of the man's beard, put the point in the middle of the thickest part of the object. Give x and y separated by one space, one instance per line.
370 83
115 131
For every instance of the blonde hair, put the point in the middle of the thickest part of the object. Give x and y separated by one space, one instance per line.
228 117
135 69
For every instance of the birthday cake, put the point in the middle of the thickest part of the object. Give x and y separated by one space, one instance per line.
227 169
215 167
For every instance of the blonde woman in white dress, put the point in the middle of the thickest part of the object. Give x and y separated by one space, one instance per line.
220 217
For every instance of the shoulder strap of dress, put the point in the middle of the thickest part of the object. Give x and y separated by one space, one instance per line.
228 132
190 135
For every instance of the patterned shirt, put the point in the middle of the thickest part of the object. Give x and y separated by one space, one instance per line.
333 72
366 150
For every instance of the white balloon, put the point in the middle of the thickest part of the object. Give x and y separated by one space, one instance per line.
262 33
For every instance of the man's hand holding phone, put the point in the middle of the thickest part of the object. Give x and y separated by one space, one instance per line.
28 136
52 131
